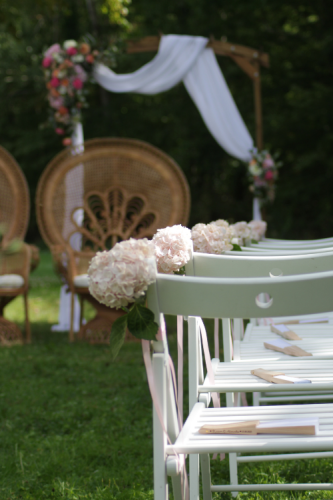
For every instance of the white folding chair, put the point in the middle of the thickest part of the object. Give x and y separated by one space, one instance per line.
237 297
317 339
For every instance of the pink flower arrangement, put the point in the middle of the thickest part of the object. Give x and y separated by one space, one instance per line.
262 171
211 238
66 69
122 275
173 248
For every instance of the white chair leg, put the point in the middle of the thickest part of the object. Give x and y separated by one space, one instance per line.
160 476
205 474
227 341
178 494
230 399
233 472
256 396
194 477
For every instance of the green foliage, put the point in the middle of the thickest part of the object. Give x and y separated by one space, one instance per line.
296 90
140 322
117 336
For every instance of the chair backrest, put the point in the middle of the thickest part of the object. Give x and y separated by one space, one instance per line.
294 246
256 265
240 297
255 250
115 189
14 198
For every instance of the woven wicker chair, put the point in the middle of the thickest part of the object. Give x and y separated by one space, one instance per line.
88 201
16 265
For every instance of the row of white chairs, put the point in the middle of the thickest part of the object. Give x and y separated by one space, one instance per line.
238 294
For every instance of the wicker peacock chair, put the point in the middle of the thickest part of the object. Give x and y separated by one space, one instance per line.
113 190
16 257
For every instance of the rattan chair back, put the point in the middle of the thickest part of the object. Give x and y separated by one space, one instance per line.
115 189
14 198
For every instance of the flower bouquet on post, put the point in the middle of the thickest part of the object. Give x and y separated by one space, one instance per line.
120 278
68 69
263 172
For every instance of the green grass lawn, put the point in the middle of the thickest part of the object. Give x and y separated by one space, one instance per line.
75 426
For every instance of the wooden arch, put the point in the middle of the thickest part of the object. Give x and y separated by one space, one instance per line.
248 59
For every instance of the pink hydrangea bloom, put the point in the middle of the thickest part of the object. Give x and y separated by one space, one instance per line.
59 131
241 231
173 248
269 175
258 229
122 275
77 83
55 48
211 238
47 61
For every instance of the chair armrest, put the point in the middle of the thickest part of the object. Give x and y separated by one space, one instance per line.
16 262
70 263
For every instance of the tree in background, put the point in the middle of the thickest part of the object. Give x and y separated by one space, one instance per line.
297 102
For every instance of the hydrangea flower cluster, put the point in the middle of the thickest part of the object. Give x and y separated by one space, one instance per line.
122 275
67 70
214 238
242 232
263 172
173 247
258 229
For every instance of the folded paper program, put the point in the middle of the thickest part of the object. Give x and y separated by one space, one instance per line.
284 331
308 426
278 377
281 345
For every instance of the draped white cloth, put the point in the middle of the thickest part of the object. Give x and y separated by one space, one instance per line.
73 184
185 58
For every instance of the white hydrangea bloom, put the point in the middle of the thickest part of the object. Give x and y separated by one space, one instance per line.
122 275
241 231
173 247
211 238
258 229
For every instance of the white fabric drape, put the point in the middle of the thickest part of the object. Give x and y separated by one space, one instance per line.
74 185
185 58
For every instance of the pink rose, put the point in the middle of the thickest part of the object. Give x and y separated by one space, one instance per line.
77 83
269 175
55 82
47 61
71 51
59 131
52 50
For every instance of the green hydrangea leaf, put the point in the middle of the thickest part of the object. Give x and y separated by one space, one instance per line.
117 336
255 242
236 248
140 322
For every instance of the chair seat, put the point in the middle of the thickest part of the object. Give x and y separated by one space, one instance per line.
236 376
81 281
11 281
190 441
319 348
316 332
